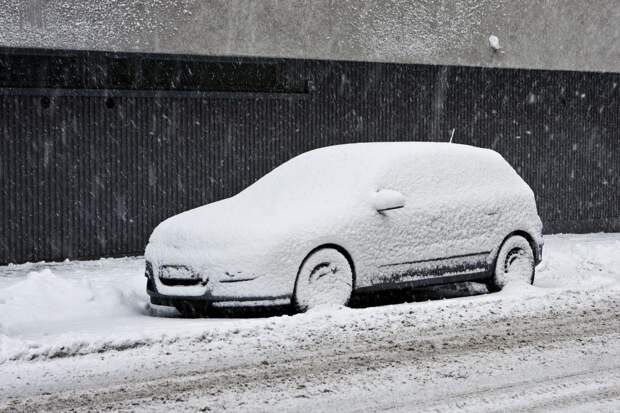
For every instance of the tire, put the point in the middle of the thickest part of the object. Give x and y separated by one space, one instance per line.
514 263
325 278
190 309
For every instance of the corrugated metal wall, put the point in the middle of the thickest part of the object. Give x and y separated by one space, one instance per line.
89 171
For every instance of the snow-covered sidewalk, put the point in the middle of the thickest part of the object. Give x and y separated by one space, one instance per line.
61 309
82 336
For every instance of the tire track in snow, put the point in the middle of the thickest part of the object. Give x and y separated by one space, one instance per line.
547 394
423 358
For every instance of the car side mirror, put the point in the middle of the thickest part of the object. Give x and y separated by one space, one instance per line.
387 199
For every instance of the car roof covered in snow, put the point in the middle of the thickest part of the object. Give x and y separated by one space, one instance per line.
346 168
386 151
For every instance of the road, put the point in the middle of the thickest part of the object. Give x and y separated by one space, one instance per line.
554 346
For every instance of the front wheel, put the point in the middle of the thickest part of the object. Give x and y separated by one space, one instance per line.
325 278
514 263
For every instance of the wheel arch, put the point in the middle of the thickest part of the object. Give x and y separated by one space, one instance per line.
527 236
338 248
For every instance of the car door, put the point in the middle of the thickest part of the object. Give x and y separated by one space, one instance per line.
406 238
432 235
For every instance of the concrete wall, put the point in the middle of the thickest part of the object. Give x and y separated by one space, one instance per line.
549 34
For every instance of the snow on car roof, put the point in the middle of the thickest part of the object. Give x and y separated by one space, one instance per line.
340 168
358 157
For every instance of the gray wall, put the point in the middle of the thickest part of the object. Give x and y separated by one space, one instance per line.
548 34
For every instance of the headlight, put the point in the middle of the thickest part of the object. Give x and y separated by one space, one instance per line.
177 272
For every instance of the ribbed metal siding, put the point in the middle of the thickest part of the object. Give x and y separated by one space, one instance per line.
560 131
81 179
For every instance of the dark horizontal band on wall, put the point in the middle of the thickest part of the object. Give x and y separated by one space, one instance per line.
21 68
51 92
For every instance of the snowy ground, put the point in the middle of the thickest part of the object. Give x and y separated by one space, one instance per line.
81 335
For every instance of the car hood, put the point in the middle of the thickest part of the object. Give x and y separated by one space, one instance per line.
238 226
218 225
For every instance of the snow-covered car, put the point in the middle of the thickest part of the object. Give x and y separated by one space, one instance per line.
349 219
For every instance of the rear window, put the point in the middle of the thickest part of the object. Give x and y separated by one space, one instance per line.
429 172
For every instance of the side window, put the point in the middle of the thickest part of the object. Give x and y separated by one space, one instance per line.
446 180
412 176
425 177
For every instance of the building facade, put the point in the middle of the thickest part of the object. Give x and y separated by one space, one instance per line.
99 146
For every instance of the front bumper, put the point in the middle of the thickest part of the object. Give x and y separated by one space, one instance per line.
231 294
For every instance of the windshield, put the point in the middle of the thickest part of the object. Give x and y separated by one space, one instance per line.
319 176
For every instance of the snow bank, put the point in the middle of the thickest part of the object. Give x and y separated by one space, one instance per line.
46 302
61 310
578 262
43 297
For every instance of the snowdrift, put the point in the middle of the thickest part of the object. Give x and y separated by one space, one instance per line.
74 308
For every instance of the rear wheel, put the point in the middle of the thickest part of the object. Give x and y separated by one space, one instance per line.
325 278
189 309
514 263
